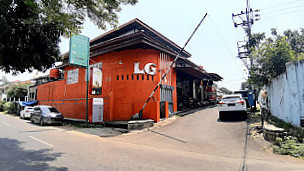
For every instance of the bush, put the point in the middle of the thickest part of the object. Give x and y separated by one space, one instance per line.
10 107
292 130
288 146
2 105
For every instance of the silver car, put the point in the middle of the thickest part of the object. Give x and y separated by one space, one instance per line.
46 115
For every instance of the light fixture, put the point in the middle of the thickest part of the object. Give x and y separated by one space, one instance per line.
120 62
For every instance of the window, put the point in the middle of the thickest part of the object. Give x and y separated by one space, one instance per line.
117 77
72 76
143 77
137 77
231 99
49 109
132 77
147 77
122 77
127 77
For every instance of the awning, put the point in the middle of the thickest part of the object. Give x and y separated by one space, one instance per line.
186 66
27 103
215 77
193 72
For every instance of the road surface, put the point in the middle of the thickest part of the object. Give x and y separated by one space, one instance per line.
198 141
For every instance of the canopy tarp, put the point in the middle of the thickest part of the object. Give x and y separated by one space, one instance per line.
27 103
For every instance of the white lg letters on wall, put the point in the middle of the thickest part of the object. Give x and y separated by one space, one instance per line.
137 70
150 68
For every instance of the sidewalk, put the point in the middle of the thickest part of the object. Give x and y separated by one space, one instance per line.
103 131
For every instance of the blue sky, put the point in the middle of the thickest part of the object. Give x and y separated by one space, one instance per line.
214 44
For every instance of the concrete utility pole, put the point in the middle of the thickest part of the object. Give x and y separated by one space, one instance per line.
246 20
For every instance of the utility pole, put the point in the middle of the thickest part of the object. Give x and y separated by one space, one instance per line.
246 20
249 16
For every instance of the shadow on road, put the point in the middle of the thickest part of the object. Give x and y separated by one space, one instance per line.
191 111
41 130
167 136
230 120
14 157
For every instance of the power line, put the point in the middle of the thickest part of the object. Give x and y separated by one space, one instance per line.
222 38
218 32
289 12
280 10
279 5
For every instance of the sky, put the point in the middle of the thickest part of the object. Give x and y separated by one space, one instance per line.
214 46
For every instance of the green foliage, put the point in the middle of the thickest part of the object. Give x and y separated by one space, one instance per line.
255 40
10 107
271 54
18 91
296 40
269 60
245 85
2 103
279 123
292 130
30 30
288 146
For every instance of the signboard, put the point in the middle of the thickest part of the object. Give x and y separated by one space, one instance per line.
72 76
96 81
79 50
97 110
150 68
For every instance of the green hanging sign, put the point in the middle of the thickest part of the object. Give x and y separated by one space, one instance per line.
79 50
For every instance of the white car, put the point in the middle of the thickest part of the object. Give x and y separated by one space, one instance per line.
26 112
232 105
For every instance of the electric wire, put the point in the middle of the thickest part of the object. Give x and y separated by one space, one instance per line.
280 10
230 60
289 12
222 38
279 5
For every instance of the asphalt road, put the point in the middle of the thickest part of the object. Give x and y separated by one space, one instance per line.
198 141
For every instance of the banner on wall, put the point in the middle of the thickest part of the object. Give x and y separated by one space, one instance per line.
97 110
96 81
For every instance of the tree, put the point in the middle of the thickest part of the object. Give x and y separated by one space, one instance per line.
296 41
18 91
245 85
270 59
4 81
30 30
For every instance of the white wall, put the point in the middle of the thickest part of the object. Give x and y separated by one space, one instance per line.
286 93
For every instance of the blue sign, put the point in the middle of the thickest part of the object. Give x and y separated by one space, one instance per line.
79 50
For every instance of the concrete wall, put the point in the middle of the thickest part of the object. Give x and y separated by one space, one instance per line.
286 93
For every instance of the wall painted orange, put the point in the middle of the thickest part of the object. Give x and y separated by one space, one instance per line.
123 91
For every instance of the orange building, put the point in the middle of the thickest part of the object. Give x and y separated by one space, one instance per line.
132 60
